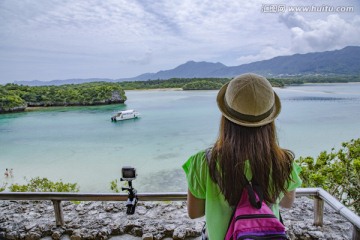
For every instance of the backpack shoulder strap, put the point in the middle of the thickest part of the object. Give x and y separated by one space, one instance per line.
208 154
255 199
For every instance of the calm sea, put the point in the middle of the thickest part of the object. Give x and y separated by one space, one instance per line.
82 145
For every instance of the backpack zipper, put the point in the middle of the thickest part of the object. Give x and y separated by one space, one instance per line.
272 236
249 216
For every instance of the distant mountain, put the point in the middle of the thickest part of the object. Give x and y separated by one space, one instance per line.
189 69
338 62
62 82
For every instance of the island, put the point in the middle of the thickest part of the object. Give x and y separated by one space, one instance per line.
16 98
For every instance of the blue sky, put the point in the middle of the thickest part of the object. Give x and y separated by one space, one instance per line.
61 39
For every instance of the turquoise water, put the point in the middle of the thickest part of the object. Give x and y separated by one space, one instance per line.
81 144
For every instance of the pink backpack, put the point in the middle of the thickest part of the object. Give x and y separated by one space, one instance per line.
253 219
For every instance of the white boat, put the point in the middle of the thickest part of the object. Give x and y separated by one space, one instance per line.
124 115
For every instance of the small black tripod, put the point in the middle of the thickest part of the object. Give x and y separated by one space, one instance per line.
132 197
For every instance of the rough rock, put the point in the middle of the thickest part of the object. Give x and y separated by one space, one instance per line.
147 236
152 220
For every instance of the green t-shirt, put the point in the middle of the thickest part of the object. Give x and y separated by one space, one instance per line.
217 209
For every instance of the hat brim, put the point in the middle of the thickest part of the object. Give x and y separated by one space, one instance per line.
221 104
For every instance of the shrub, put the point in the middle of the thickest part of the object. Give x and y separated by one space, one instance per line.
336 172
44 185
3 187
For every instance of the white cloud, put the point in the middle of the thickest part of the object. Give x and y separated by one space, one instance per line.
292 20
331 33
123 38
265 53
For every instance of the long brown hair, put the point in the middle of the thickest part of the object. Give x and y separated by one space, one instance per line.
270 164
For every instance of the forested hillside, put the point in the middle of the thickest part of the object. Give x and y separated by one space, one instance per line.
15 97
345 61
216 83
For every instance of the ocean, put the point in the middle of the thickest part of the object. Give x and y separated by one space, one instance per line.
81 144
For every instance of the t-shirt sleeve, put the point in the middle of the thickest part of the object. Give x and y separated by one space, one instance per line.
295 181
196 170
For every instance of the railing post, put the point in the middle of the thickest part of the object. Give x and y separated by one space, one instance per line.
356 233
318 211
59 216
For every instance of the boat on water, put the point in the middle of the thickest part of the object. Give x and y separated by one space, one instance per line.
124 115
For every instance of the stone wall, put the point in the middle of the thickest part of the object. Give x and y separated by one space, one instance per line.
152 220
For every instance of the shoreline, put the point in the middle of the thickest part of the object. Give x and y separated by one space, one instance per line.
35 108
156 89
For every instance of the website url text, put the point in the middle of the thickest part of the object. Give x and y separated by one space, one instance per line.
281 8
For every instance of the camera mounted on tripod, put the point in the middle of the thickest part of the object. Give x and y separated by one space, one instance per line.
129 174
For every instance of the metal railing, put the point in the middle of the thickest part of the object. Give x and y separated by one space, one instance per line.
320 197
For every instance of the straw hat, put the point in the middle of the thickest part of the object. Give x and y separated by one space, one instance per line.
249 100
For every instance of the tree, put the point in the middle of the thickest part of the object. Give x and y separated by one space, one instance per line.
337 172
9 101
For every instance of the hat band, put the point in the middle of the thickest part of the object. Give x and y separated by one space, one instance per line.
246 117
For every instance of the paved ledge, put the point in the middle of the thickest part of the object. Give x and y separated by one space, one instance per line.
32 220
